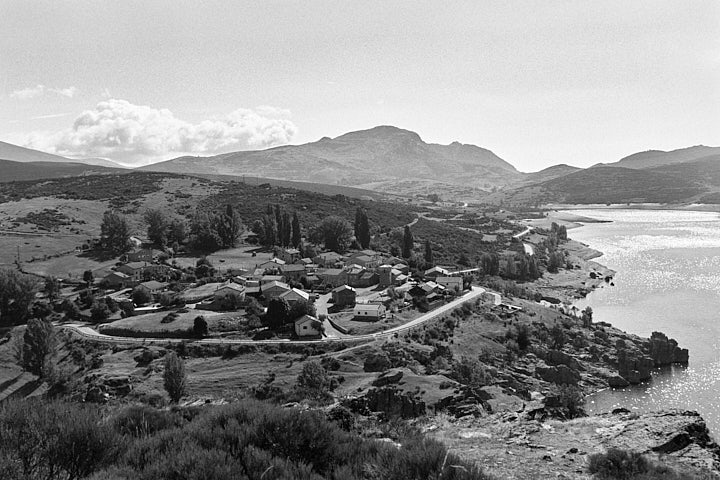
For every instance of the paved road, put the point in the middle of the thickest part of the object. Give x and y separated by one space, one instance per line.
524 232
87 332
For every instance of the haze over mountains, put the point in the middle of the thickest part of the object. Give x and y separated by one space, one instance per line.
393 160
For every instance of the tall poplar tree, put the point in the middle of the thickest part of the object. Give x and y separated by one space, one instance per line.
362 227
408 243
296 235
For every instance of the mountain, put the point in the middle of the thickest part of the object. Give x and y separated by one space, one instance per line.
15 153
13 171
655 158
358 158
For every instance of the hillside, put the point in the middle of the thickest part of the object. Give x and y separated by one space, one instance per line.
15 153
603 184
655 158
357 158
35 170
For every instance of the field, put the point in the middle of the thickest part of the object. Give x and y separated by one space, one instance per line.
151 324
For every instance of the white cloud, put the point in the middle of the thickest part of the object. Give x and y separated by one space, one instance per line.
40 90
124 131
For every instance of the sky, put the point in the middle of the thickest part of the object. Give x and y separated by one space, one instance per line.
537 82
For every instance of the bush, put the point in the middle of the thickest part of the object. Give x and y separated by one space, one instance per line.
200 326
617 463
243 440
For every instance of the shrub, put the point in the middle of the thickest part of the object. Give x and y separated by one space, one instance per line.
200 326
617 463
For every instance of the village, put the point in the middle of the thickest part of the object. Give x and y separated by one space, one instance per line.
327 296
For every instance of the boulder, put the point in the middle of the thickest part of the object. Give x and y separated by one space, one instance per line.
556 357
560 374
616 381
389 377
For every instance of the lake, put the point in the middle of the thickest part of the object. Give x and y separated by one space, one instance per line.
668 280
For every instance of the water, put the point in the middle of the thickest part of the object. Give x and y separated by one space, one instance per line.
668 280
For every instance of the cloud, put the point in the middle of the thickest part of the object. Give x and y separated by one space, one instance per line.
50 115
124 131
40 90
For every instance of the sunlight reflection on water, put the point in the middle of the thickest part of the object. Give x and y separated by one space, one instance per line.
668 279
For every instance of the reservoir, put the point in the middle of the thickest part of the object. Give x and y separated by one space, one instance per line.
668 280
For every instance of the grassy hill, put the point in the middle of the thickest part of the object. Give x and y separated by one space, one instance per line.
605 184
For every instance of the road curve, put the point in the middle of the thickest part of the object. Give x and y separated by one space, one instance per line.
89 333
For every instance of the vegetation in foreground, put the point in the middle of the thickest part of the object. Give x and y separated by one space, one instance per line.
243 440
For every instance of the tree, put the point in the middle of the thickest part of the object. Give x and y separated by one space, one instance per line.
362 227
38 347
203 268
277 313
229 227
555 261
141 296
296 234
115 233
200 326
52 287
523 337
88 277
269 231
17 292
286 233
157 230
314 377
587 316
100 311
204 236
490 264
336 233
174 377
428 252
408 242
557 337
177 232
300 308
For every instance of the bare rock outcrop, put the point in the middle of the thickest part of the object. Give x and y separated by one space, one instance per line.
665 351
560 374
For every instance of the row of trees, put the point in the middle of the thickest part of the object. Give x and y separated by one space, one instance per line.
277 228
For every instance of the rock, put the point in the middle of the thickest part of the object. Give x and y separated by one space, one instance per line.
634 368
621 410
390 401
145 357
556 357
616 381
560 374
665 351
389 377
